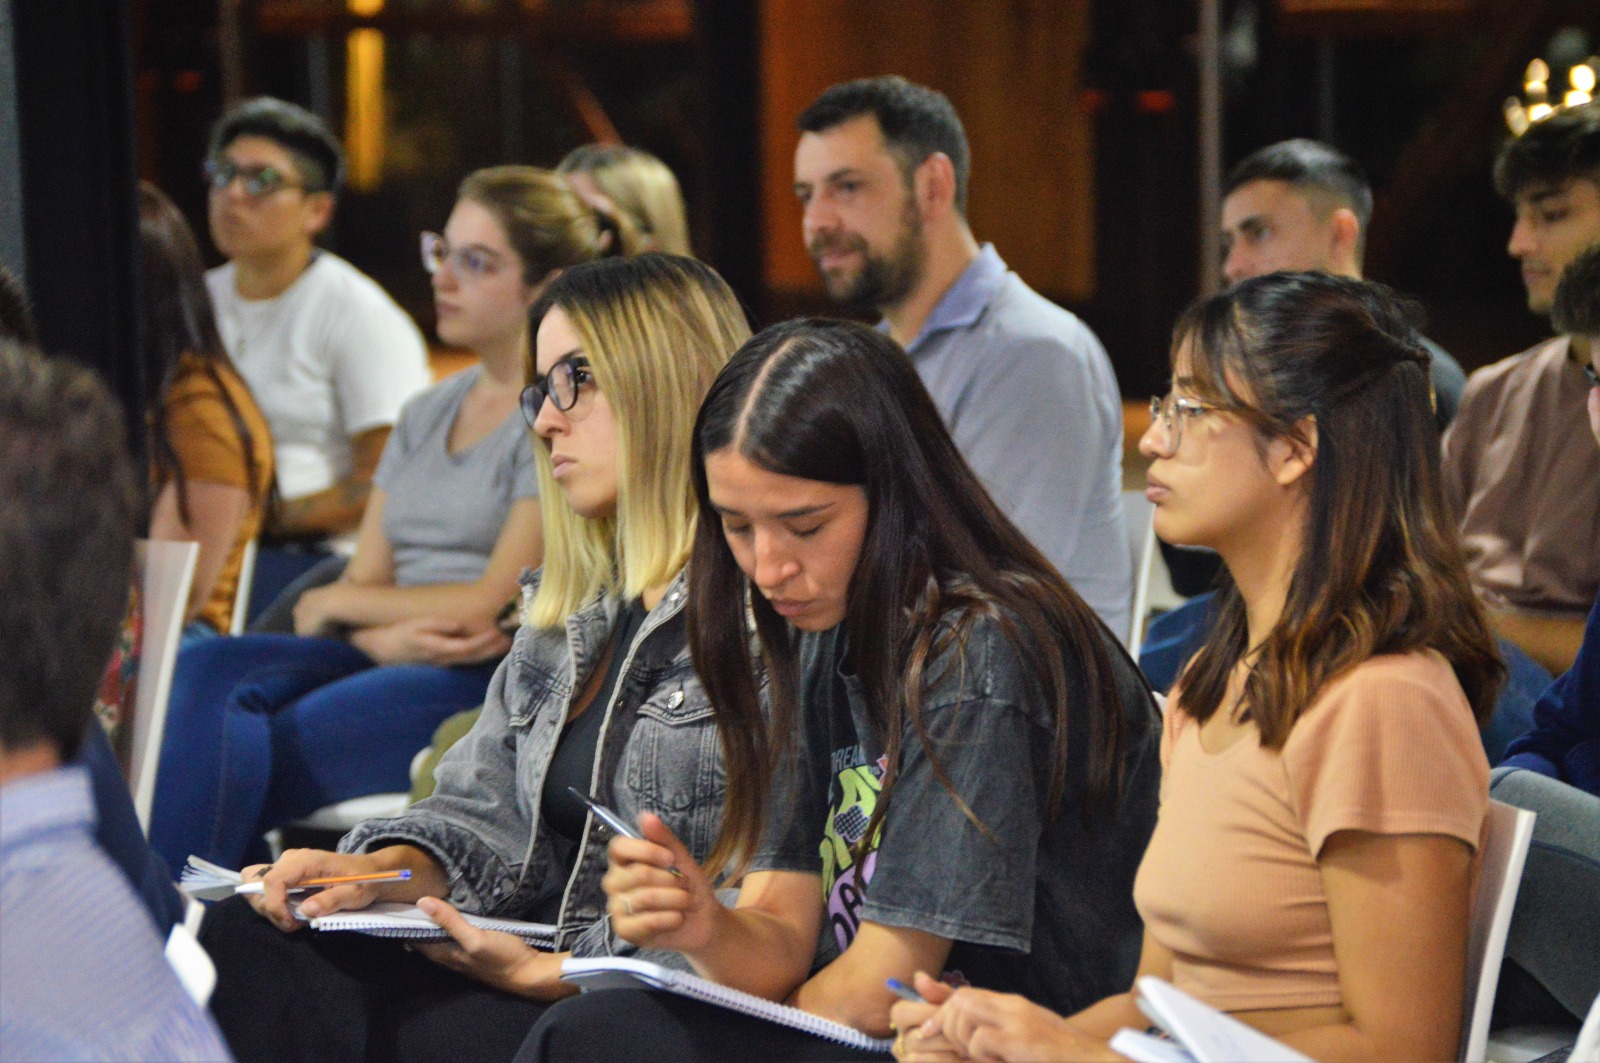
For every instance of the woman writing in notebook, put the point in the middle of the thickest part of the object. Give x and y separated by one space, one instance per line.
958 768
1321 752
598 693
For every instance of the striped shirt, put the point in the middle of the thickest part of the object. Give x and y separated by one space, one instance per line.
82 974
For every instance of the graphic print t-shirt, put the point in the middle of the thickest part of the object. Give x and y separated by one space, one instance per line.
853 790
1032 904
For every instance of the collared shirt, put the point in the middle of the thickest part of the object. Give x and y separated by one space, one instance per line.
82 975
1522 469
1029 396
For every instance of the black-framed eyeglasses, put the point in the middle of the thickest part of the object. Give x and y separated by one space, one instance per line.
471 262
1170 412
1594 378
563 385
259 181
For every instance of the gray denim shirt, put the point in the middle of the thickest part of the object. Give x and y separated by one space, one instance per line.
657 752
1032 904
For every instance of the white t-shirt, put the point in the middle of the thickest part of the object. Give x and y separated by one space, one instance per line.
328 359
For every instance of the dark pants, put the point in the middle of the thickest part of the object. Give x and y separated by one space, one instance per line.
336 995
618 1024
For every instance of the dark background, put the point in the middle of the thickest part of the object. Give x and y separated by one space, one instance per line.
96 92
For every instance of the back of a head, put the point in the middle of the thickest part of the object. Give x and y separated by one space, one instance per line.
642 187
545 220
178 313
16 310
1576 311
68 505
655 329
1312 167
316 151
1550 153
1381 568
916 122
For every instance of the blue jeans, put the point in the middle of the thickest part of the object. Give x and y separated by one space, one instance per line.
264 729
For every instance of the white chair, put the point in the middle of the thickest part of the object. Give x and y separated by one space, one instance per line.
1138 515
165 571
241 594
1504 854
1587 1048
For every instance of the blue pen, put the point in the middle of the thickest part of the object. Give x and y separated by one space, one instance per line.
905 992
612 820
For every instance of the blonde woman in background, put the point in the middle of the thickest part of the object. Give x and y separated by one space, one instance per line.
633 184
265 729
598 692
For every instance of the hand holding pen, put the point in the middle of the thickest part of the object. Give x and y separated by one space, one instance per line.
656 894
920 1003
343 881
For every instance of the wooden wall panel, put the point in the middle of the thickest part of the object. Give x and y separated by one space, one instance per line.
1012 69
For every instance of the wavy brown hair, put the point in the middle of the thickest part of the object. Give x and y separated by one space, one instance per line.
178 321
1381 569
837 402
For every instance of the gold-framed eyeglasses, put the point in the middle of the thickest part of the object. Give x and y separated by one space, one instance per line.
1170 412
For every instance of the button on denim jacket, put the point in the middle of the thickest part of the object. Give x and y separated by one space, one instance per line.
657 752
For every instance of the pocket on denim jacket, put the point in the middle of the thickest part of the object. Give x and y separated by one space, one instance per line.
673 762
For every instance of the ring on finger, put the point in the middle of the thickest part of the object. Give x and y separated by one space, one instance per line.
627 902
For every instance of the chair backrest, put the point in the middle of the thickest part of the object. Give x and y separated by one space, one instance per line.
165 571
1138 513
241 594
1587 1047
1500 876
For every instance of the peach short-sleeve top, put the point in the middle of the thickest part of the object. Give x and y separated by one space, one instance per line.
1230 882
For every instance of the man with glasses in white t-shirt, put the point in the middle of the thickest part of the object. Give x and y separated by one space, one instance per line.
329 355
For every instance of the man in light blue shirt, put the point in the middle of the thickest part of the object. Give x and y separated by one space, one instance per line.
1024 386
82 974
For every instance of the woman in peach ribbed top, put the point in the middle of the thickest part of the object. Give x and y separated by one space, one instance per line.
1325 792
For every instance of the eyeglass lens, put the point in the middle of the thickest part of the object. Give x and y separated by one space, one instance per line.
258 180
473 262
560 385
1165 411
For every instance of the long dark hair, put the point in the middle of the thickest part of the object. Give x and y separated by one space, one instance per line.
840 403
179 320
1381 569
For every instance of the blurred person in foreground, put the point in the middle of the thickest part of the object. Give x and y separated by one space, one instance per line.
81 968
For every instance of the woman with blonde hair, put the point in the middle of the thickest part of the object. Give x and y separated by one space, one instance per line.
598 693
631 183
267 728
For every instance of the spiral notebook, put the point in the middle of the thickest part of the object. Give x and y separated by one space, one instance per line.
388 919
620 972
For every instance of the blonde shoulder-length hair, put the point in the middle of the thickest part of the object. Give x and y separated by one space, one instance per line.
656 330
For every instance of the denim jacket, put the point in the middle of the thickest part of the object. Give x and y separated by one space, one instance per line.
657 752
